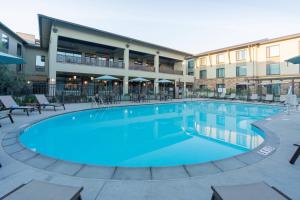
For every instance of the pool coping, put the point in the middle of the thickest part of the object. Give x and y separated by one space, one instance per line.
16 150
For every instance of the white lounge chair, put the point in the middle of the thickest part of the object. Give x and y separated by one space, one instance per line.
232 96
253 97
10 104
43 102
222 95
282 98
211 95
269 98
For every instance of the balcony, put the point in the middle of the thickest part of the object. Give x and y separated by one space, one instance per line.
89 61
169 70
146 68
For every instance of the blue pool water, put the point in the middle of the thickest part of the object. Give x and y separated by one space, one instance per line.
150 135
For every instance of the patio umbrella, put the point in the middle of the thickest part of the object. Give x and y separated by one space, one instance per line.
107 78
10 59
294 60
139 80
164 81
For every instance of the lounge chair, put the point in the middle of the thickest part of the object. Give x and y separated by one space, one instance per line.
211 95
43 102
253 97
7 116
10 104
282 99
257 191
232 96
296 154
269 98
222 95
38 190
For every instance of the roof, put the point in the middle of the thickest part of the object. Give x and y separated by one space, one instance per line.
257 42
16 36
232 47
45 23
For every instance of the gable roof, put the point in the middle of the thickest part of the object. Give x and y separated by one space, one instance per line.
9 31
46 22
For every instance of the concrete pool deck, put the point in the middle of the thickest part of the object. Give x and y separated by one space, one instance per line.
173 184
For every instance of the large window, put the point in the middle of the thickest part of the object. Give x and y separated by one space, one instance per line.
241 71
191 64
203 74
220 58
274 89
203 61
241 55
273 51
273 69
4 42
220 73
40 62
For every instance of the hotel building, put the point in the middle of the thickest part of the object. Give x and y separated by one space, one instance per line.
255 63
68 53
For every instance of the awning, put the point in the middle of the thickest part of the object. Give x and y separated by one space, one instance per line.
294 60
10 59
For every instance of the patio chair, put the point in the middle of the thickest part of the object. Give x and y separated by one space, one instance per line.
257 191
282 99
232 96
37 190
7 116
296 154
211 95
43 102
269 98
10 104
222 95
253 97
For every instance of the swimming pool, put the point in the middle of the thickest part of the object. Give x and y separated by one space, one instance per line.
150 135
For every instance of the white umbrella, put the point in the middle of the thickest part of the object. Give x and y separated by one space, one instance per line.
164 81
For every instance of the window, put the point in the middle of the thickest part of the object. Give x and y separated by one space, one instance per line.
273 51
273 69
203 74
220 73
241 55
274 89
40 63
203 61
4 42
220 58
191 64
203 87
241 71
221 88
19 50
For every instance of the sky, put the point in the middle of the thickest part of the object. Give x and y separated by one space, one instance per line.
192 26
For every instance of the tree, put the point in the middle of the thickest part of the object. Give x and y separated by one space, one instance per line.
10 81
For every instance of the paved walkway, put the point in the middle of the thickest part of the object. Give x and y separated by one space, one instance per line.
275 169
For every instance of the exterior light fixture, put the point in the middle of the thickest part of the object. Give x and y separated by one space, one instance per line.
74 77
28 82
116 83
85 82
92 78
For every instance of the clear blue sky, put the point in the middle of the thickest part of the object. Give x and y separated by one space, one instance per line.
188 25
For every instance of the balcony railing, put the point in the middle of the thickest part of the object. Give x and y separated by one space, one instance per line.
169 70
88 61
142 67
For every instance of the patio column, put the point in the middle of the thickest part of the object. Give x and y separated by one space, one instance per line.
156 63
52 61
156 86
184 89
125 85
126 59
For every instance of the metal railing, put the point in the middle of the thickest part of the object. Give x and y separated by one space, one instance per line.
169 70
88 61
142 68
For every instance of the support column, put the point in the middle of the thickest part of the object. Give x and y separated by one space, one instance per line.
156 86
126 58
156 63
125 85
184 89
52 53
